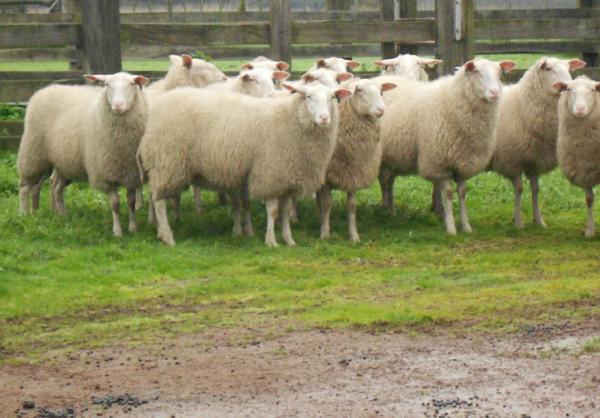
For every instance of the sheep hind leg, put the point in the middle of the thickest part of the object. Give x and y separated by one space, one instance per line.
324 198
352 229
35 193
57 186
247 221
132 202
151 212
534 181
286 229
115 205
461 189
436 201
446 190
164 232
590 229
236 205
518 214
24 192
139 198
272 206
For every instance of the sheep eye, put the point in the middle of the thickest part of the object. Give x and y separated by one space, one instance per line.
548 68
308 97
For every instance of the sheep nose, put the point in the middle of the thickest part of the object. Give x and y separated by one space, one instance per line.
118 105
580 109
381 110
495 93
323 119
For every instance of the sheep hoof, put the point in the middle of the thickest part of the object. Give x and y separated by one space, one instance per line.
237 232
133 228
290 242
354 238
519 224
451 231
325 235
249 232
589 233
167 239
271 243
467 229
541 223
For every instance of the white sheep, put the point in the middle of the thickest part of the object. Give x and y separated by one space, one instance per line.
275 148
407 66
527 129
266 63
443 130
339 65
578 146
357 155
85 134
186 71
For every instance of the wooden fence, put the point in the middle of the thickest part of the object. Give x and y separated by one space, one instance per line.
93 33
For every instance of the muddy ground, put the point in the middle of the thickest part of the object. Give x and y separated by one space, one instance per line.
541 372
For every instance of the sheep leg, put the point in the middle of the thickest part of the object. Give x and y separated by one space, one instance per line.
197 192
351 204
132 203
139 198
461 189
151 212
177 208
325 205
294 210
436 201
58 184
589 202
272 212
446 190
115 204
236 204
386 182
286 229
35 193
24 191
163 229
535 190
518 215
247 222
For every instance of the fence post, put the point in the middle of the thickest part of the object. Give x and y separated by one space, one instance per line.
281 30
455 41
100 29
591 58
388 49
407 9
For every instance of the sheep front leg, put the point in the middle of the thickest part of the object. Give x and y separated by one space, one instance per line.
446 190
163 228
115 204
590 229
57 185
324 198
286 229
461 188
35 193
518 214
247 222
132 203
351 204
272 206
24 191
294 210
151 212
236 205
139 198
197 192
534 181
386 183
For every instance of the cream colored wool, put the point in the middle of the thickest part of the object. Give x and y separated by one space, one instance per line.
272 147
187 72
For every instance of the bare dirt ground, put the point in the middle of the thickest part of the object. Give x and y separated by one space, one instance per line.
539 373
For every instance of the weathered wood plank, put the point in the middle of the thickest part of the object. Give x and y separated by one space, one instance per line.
10 143
405 30
37 35
195 34
388 49
407 9
12 127
281 30
36 18
101 39
455 33
39 75
21 90
537 28
46 54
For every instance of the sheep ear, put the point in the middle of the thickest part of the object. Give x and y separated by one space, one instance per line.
321 63
175 59
247 66
507 66
597 87
388 86
280 75
246 77
344 76
187 60
95 78
352 64
140 80
576 64
308 77
560 86
542 65
342 94
283 66
470 66
433 61
293 89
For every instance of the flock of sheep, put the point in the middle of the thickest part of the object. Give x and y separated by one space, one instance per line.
259 136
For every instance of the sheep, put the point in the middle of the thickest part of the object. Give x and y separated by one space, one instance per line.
578 145
407 66
357 155
527 129
443 130
186 71
339 65
264 62
256 82
85 134
274 148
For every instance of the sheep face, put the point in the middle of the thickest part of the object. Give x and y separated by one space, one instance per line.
325 77
366 98
580 94
121 89
257 82
484 77
553 70
339 65
407 66
319 101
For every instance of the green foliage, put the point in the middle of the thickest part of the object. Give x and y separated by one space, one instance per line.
201 55
11 112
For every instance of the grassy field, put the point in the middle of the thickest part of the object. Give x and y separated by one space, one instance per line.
66 283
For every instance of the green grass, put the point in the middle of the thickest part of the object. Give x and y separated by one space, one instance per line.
300 64
66 283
